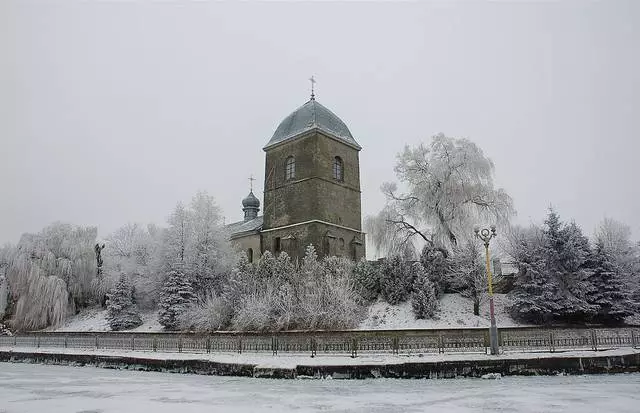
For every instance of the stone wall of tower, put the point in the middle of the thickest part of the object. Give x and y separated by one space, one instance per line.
313 194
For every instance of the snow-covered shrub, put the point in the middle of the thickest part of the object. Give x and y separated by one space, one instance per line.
436 263
210 314
176 296
122 312
423 298
366 277
396 280
278 295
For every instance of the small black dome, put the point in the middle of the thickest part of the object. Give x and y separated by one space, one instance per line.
251 201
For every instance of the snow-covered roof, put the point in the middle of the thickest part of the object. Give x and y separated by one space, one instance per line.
312 115
240 228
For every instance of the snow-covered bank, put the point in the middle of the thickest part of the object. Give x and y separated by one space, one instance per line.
94 319
455 312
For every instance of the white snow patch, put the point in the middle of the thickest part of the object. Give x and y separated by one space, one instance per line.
94 319
455 312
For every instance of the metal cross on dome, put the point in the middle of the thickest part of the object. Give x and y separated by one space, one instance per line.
251 179
313 83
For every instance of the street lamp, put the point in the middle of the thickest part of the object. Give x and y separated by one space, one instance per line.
485 235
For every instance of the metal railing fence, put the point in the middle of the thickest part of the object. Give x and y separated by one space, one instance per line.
350 342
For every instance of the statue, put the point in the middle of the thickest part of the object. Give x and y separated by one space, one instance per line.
98 249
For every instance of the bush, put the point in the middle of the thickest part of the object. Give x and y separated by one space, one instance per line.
367 280
396 280
212 314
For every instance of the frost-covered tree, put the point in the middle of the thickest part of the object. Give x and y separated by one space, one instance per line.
554 270
176 297
423 298
177 240
436 263
122 311
468 273
50 275
366 277
396 280
448 189
607 290
209 251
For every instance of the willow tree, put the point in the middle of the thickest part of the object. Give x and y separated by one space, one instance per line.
50 274
447 189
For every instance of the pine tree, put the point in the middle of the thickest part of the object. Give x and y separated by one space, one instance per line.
367 279
607 290
423 299
122 312
436 263
175 298
396 280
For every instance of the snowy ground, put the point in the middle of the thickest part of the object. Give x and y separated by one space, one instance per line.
94 319
56 389
291 360
455 312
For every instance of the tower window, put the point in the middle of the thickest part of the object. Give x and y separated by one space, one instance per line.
250 254
338 169
290 168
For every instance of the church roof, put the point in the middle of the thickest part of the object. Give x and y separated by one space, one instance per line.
312 115
251 201
240 228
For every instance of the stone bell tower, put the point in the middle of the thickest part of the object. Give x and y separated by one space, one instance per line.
312 186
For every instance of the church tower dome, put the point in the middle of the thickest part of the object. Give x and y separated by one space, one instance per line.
251 207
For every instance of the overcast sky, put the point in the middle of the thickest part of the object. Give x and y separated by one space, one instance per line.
111 112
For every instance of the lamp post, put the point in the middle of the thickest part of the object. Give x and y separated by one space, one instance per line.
485 236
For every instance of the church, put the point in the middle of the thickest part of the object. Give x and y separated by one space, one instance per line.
311 190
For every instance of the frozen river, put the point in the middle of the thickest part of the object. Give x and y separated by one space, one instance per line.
52 389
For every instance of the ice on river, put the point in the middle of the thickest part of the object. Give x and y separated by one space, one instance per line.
53 389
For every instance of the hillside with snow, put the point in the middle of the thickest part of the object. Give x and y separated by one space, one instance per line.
455 312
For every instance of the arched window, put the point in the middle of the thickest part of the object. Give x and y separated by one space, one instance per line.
290 168
338 169
250 254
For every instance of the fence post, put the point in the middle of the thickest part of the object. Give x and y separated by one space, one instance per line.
314 347
239 345
133 343
154 343
97 346
180 344
594 340
65 341
551 347
395 344
208 344
274 345
440 344
38 341
633 339
354 347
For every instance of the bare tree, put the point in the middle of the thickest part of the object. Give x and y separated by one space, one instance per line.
448 190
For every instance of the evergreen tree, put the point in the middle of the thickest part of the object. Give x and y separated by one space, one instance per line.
396 280
122 312
607 290
436 263
423 299
367 279
175 298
